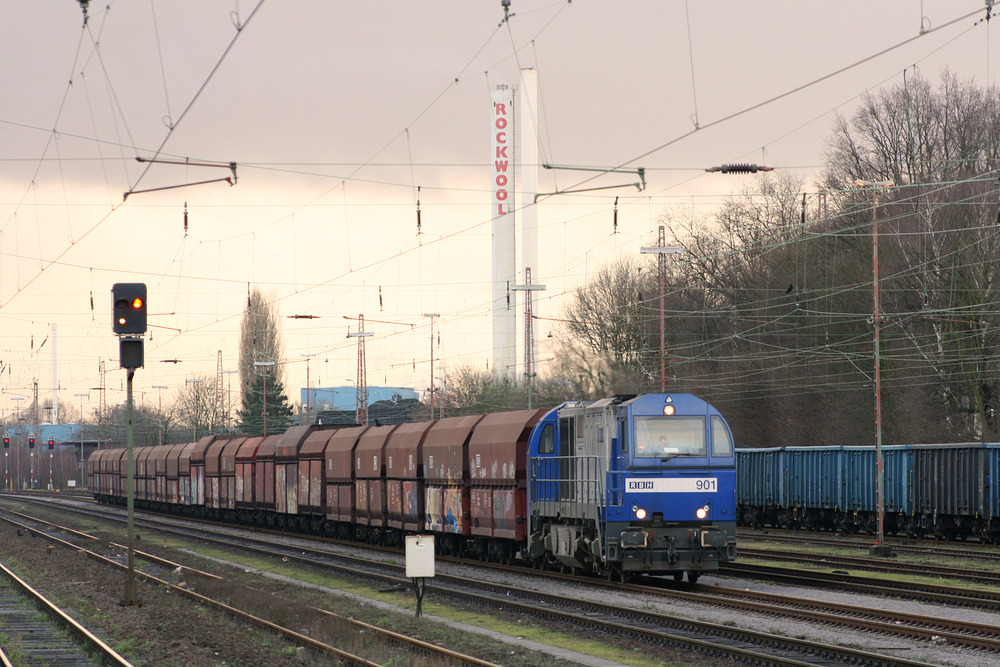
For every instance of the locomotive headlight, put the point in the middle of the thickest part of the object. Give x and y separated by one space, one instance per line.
639 512
668 410
702 512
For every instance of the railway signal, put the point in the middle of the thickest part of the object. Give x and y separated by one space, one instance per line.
129 311
52 443
31 441
129 308
6 441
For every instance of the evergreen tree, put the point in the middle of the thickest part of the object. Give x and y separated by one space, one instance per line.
278 411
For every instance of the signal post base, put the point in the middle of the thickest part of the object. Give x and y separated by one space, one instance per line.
882 551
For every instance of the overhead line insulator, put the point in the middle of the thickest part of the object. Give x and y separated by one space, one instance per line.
740 169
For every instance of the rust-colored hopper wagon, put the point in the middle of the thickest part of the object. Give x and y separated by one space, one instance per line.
369 483
446 481
498 454
286 476
264 478
172 474
312 480
404 480
339 468
246 456
220 477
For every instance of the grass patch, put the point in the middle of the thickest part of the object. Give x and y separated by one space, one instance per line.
12 647
527 629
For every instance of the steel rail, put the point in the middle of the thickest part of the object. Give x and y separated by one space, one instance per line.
979 636
826 560
959 597
409 642
982 551
107 654
349 658
707 638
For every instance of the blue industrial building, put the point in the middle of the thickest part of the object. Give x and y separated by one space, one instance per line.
346 398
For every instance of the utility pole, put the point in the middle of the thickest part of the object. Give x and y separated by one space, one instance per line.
661 249
220 395
263 411
34 431
880 548
102 405
361 410
82 475
17 439
159 411
196 398
308 396
529 331
432 316
229 400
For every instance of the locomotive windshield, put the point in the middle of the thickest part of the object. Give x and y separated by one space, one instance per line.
656 437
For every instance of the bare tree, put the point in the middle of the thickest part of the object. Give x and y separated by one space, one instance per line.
195 407
468 391
584 372
940 147
606 315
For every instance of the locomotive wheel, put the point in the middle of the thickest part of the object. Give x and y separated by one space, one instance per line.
693 576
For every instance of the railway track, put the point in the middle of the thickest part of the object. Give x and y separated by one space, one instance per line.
933 548
971 598
879 565
410 646
38 632
654 628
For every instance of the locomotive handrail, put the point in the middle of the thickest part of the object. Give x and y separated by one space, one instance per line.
616 487
566 479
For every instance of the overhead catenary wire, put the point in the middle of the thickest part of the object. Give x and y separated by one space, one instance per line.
170 130
392 257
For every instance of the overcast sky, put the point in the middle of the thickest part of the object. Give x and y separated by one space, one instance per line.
335 113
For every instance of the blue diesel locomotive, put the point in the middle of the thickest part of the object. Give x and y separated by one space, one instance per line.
631 485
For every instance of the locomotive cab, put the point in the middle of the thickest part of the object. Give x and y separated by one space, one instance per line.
678 509
633 485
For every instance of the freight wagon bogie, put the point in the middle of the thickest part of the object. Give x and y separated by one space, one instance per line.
989 531
492 550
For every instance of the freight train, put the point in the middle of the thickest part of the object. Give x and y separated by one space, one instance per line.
616 487
950 492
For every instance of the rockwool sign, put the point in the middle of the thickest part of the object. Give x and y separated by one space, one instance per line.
503 152
504 271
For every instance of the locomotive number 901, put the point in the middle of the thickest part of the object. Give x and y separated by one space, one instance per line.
673 485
